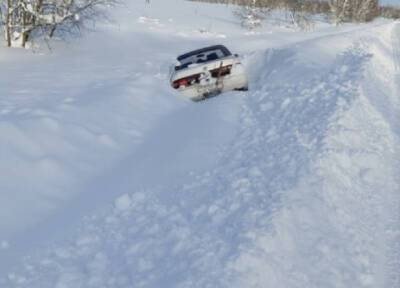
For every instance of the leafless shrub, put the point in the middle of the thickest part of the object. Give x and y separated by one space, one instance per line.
390 12
300 12
354 10
25 20
251 13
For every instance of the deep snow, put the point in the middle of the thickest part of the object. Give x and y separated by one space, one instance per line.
108 178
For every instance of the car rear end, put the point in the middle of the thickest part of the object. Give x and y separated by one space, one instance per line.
207 72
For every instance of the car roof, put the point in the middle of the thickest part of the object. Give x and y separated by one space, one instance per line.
195 52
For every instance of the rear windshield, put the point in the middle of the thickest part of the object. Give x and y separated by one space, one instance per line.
202 55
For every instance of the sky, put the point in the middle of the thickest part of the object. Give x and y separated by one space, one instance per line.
392 2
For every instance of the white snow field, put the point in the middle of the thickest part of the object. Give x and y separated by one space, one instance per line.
109 178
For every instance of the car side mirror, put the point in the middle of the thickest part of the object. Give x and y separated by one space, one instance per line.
236 55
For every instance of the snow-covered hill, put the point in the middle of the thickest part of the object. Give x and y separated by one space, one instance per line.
108 178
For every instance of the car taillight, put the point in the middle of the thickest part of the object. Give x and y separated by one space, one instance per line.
222 71
186 81
181 82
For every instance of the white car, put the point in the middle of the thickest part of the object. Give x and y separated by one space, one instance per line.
208 72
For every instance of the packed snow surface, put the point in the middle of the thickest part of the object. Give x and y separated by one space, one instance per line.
109 178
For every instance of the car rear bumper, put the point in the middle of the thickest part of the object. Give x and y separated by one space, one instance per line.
236 81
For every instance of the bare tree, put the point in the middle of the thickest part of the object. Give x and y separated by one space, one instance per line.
369 10
300 11
298 14
390 12
27 19
251 13
354 10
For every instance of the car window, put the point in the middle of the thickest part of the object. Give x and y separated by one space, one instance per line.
203 55
212 56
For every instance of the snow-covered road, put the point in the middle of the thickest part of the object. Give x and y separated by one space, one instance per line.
294 184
